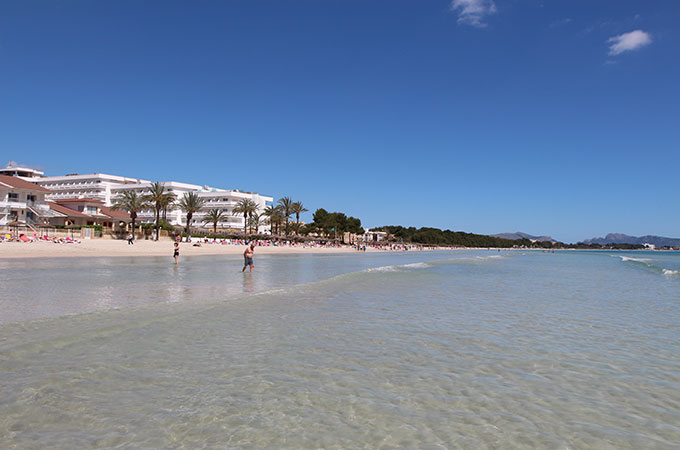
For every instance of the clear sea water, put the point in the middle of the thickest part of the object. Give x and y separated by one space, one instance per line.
464 349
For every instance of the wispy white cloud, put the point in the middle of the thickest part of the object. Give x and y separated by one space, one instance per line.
561 22
473 12
628 41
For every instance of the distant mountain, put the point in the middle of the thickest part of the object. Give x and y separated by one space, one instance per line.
519 235
617 238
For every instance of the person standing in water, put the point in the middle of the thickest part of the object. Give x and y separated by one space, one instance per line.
248 255
176 252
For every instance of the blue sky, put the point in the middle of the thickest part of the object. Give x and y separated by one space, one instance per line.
558 118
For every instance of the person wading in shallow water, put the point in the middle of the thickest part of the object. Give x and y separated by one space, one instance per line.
248 255
176 252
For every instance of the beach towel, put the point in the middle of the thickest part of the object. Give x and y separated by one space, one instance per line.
24 238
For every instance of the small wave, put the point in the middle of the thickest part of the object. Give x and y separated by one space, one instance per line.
646 262
630 258
418 265
400 268
384 269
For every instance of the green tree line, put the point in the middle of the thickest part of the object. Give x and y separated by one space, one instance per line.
435 236
331 223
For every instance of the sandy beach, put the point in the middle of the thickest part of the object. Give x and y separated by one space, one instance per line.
108 248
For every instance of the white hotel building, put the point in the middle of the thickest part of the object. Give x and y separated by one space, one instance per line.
95 185
106 188
214 198
22 202
226 200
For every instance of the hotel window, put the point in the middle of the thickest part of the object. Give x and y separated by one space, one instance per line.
12 196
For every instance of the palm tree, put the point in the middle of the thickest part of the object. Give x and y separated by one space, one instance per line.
278 219
157 197
295 227
190 203
214 216
254 222
246 207
298 209
132 203
270 213
286 205
167 204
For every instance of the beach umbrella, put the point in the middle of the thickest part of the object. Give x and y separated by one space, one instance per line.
15 224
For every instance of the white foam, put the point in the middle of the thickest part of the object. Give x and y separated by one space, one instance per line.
418 265
669 272
384 269
629 258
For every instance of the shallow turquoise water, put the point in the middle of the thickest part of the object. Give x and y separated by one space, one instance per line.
466 349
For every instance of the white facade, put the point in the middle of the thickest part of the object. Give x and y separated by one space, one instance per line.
214 199
95 185
226 201
106 188
27 173
175 215
373 236
22 202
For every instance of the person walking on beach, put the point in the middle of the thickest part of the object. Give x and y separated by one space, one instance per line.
131 239
248 255
176 252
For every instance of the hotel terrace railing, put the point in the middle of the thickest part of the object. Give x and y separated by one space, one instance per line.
62 186
30 205
37 204
58 195
15 205
216 203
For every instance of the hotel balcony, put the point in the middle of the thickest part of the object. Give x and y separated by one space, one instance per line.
219 204
59 195
62 186
12 205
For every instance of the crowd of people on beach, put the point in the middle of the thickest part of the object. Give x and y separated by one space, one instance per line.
359 246
23 237
391 247
266 243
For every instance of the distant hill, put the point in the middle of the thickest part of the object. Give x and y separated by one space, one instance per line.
519 235
618 238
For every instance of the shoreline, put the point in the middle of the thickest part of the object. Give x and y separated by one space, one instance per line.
141 248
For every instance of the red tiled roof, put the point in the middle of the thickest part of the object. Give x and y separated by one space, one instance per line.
67 211
114 213
18 183
78 200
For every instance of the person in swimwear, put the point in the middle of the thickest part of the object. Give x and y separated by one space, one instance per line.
176 252
248 255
